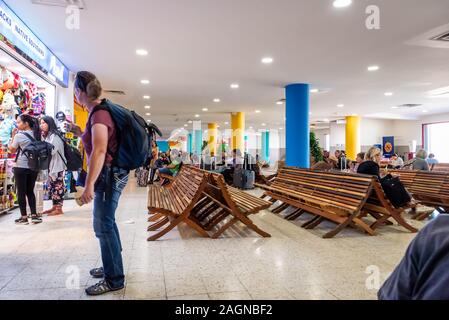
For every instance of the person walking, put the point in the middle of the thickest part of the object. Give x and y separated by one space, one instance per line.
104 183
27 130
57 167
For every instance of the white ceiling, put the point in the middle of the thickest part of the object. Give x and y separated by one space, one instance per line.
199 47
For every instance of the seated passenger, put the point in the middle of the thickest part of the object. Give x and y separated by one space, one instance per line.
431 161
396 162
172 168
355 164
419 162
422 273
371 164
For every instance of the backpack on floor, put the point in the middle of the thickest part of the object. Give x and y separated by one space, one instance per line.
73 158
38 153
134 136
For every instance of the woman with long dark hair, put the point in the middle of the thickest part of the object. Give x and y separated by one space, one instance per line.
57 165
104 183
27 130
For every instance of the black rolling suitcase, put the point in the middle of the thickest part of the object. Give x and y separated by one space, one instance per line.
244 177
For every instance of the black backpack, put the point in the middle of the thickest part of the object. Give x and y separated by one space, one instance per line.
38 154
73 157
395 191
134 136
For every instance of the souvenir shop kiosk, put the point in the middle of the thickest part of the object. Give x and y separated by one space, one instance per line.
30 76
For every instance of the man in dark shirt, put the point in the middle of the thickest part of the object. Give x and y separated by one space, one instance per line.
423 274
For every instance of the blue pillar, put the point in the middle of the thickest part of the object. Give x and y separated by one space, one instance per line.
297 131
266 146
198 141
189 143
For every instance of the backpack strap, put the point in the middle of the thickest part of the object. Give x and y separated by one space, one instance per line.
101 106
29 136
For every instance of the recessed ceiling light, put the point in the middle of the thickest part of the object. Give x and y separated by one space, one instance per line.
281 128
226 123
141 52
388 94
235 86
190 121
251 128
340 105
342 3
145 81
425 111
267 60
186 125
264 124
326 120
279 103
147 97
217 100
147 107
205 109
257 111
314 90
197 116
394 107
148 114
373 68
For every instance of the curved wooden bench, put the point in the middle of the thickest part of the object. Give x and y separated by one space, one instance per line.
222 206
338 197
428 188
343 198
175 201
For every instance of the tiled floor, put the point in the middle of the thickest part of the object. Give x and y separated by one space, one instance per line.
52 260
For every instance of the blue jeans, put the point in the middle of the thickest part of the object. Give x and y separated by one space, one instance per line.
108 190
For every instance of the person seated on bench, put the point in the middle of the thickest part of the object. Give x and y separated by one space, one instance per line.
158 163
431 161
236 160
173 168
371 164
396 162
354 165
419 162
423 272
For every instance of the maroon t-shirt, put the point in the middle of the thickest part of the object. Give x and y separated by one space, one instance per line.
100 117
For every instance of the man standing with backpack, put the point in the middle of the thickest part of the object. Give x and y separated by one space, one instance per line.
116 141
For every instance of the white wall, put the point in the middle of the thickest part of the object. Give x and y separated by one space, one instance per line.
64 99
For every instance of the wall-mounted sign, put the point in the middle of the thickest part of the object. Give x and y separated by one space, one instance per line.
21 39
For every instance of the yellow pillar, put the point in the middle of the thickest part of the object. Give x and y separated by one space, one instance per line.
212 130
352 137
238 131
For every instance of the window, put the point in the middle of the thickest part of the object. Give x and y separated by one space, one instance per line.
435 140
328 142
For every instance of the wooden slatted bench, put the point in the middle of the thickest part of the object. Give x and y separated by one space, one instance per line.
440 167
222 206
335 196
428 188
175 201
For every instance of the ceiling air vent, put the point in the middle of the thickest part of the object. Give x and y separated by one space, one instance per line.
115 92
60 3
442 37
410 105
